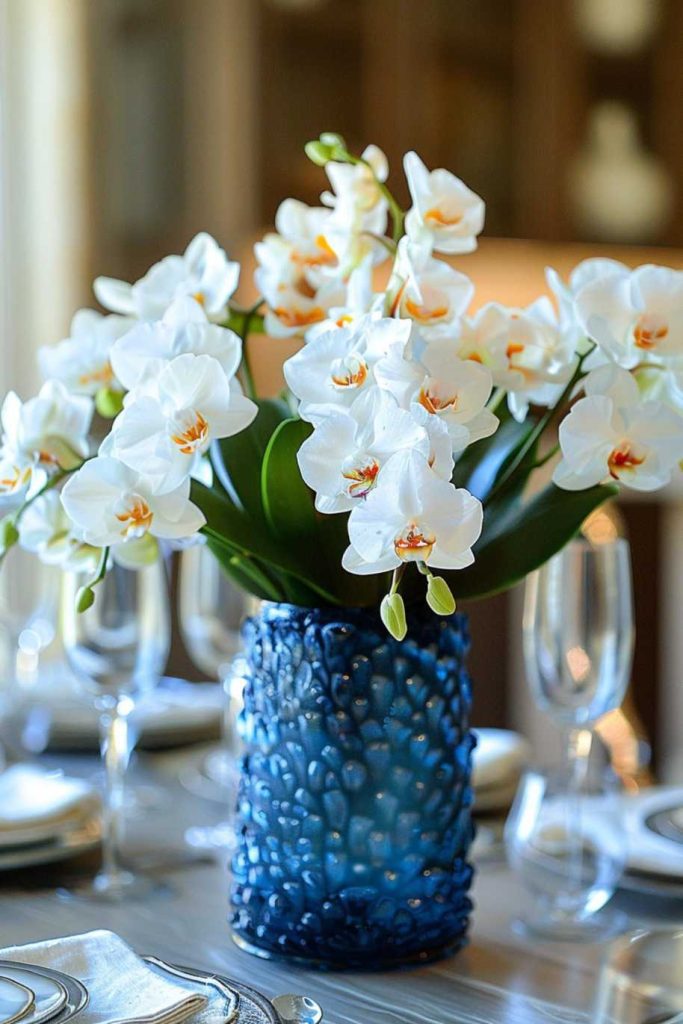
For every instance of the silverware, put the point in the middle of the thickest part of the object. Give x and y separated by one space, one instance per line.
298 1009
229 995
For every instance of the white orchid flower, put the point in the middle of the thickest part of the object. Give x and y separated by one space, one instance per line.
444 209
612 435
203 273
49 430
359 300
82 361
111 504
447 387
356 189
293 309
332 369
636 317
16 480
430 292
412 515
47 531
143 351
342 460
529 353
167 424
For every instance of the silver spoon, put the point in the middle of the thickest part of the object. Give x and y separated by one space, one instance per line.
298 1009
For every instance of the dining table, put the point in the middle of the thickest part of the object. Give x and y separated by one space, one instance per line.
502 976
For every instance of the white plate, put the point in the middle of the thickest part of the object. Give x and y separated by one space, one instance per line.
76 995
50 994
16 999
83 836
37 805
647 851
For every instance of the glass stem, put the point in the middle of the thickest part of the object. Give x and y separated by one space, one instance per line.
115 750
577 766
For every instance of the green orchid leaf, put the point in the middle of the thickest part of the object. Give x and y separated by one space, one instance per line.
479 466
239 535
522 540
237 460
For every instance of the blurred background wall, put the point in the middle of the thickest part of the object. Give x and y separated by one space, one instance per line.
128 125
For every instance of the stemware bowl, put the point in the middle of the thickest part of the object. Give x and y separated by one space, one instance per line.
641 980
578 638
118 648
569 855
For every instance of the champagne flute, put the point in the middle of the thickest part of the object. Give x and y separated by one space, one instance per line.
119 648
578 637
210 611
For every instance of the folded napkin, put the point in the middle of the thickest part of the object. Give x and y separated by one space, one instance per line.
120 985
36 803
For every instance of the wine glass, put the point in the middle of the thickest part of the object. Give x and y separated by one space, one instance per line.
641 981
578 637
118 648
211 609
541 838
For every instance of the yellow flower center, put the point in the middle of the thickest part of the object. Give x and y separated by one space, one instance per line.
649 331
324 254
199 297
423 313
293 317
362 479
435 403
441 219
103 375
351 372
413 545
17 480
136 518
622 459
193 436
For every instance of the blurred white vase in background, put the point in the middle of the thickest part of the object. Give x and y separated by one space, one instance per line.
619 191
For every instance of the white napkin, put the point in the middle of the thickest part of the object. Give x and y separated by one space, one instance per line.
121 987
35 803
499 758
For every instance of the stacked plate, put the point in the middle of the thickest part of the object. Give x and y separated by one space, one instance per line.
45 816
36 995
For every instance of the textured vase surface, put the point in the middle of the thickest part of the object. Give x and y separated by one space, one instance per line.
353 821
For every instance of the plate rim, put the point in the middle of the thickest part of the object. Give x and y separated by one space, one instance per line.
262 1002
77 996
29 996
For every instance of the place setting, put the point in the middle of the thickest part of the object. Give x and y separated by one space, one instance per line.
97 978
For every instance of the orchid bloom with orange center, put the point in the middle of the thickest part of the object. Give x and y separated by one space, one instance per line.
111 504
203 273
412 515
82 362
444 211
429 291
343 459
335 367
612 434
168 423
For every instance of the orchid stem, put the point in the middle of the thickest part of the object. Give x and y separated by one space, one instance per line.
47 486
396 579
247 373
395 210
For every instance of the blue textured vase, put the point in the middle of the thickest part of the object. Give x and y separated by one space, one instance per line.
353 821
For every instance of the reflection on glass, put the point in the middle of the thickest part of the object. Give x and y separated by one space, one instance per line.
118 648
642 980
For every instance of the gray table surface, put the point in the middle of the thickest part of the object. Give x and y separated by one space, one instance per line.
500 978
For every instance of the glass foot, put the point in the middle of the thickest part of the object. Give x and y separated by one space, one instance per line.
119 887
599 926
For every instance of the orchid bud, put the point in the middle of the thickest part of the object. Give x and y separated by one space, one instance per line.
318 153
439 597
85 598
109 402
9 535
333 139
393 613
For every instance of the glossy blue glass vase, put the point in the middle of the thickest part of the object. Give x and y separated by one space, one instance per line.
353 821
